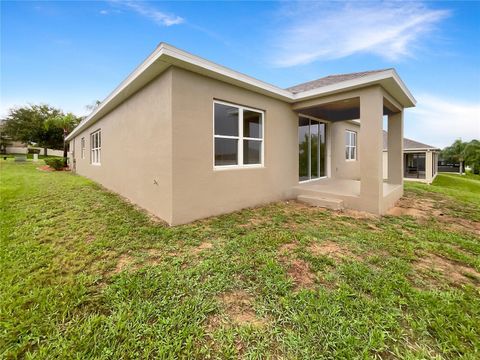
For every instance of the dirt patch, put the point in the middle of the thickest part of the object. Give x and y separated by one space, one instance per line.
417 207
253 222
330 249
457 224
450 270
155 256
203 246
154 253
124 261
286 249
401 211
422 208
239 309
45 168
356 214
301 274
48 168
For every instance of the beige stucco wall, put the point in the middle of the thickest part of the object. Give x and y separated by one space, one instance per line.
157 150
136 155
341 167
199 190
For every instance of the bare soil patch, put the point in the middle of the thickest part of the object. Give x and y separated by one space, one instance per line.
301 274
401 211
330 249
289 248
48 168
417 207
356 214
253 222
239 309
203 246
155 256
124 261
45 168
423 208
452 271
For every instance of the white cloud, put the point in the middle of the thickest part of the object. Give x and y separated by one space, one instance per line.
438 121
310 31
151 12
104 12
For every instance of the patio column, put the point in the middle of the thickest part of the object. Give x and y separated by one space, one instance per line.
428 166
395 148
370 149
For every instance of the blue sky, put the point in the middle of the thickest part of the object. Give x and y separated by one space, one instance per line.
70 54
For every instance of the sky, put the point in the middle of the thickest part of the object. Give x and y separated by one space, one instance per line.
70 54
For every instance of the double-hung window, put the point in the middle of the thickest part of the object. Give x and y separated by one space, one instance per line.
238 136
96 147
82 147
350 145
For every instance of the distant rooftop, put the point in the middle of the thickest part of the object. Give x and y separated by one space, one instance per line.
408 144
331 79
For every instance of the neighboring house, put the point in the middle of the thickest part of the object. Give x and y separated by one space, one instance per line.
16 147
186 139
420 161
448 166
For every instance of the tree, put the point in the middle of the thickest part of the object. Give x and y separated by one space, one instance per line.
66 123
455 153
93 105
27 124
472 155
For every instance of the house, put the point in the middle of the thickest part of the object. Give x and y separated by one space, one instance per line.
185 138
420 161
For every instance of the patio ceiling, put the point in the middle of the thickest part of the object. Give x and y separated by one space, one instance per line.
341 110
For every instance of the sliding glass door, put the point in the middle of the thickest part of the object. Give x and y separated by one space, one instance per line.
311 149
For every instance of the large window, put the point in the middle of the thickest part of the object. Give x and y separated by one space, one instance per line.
350 145
96 147
238 136
82 147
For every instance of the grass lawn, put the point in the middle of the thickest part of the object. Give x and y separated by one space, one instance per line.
87 275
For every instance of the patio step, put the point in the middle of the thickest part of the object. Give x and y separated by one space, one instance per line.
334 204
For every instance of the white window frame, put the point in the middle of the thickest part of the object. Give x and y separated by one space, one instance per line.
350 146
240 138
96 152
82 147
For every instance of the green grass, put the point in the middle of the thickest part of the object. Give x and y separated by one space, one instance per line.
87 275
460 192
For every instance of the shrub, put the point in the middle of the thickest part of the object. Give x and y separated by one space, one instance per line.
55 163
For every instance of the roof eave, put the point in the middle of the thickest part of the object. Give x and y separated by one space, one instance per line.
166 55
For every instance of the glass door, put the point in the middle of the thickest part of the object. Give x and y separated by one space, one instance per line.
311 149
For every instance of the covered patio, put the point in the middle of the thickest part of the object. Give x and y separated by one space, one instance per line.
365 190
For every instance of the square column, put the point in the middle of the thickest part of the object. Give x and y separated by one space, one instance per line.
428 166
371 150
395 148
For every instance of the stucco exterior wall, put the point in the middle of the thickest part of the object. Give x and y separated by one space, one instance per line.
341 167
136 150
200 191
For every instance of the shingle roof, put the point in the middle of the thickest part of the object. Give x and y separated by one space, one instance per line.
331 79
408 144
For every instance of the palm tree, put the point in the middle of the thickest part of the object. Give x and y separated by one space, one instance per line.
456 153
67 123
